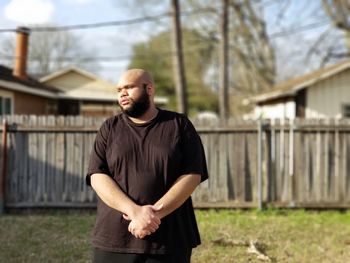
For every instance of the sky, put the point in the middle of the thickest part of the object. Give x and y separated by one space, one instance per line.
117 41
103 42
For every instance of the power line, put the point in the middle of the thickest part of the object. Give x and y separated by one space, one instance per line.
109 23
170 53
199 46
299 29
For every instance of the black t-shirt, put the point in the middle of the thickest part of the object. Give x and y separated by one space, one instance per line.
145 160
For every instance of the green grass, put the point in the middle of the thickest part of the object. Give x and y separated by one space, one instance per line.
284 235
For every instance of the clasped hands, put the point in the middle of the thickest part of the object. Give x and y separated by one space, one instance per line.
144 221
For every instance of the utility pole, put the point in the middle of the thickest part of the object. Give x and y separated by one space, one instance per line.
223 56
178 60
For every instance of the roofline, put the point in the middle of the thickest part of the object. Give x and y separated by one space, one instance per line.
157 100
65 70
294 89
272 96
23 88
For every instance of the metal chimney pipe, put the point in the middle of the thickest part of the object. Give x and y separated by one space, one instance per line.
22 39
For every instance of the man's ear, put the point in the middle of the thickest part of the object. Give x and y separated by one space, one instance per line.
150 89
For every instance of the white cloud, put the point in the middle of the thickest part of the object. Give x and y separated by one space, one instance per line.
29 11
79 2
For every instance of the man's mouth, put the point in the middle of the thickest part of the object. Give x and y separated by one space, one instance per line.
124 102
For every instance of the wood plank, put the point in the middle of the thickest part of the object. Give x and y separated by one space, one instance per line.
251 164
51 190
87 146
335 189
241 174
42 158
79 181
222 169
59 161
299 157
69 191
33 160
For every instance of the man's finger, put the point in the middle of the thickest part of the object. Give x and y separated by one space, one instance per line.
154 219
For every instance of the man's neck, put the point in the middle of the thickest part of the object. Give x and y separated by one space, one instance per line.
149 115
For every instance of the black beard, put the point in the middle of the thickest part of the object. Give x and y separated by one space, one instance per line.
138 107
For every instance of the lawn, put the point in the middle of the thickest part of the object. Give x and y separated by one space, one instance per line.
282 235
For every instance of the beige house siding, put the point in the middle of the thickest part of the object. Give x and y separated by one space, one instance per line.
326 98
69 81
73 80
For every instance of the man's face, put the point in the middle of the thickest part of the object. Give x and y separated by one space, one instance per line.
133 98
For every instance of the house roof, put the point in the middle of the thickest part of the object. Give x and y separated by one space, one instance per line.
94 88
29 85
290 87
102 91
98 89
67 70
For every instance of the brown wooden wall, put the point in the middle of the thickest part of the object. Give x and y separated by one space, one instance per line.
30 104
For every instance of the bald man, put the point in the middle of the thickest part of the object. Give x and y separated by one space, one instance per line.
144 166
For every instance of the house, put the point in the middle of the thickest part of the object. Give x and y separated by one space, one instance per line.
84 93
324 93
25 95
21 94
70 91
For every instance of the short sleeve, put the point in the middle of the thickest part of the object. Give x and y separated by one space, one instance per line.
98 161
192 151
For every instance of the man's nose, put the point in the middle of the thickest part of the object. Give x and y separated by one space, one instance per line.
124 92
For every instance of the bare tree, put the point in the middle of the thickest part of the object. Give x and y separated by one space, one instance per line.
251 56
339 12
50 51
254 60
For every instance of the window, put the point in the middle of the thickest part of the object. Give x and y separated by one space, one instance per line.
5 105
346 110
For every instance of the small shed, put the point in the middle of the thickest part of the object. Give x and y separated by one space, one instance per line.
324 93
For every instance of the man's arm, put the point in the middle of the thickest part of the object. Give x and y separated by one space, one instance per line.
108 190
177 194
173 199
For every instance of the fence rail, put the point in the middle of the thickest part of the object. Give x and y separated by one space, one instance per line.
303 163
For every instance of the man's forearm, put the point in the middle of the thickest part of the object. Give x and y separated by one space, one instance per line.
178 193
111 194
142 218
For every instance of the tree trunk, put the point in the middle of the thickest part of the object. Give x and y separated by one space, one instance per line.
223 74
178 60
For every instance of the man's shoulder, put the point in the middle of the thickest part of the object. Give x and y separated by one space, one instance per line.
172 115
113 119
110 122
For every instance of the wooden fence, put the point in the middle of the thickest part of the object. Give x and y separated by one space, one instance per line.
304 163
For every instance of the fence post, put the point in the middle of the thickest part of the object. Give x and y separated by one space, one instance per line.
260 206
4 168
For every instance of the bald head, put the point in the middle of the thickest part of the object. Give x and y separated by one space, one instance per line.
136 76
